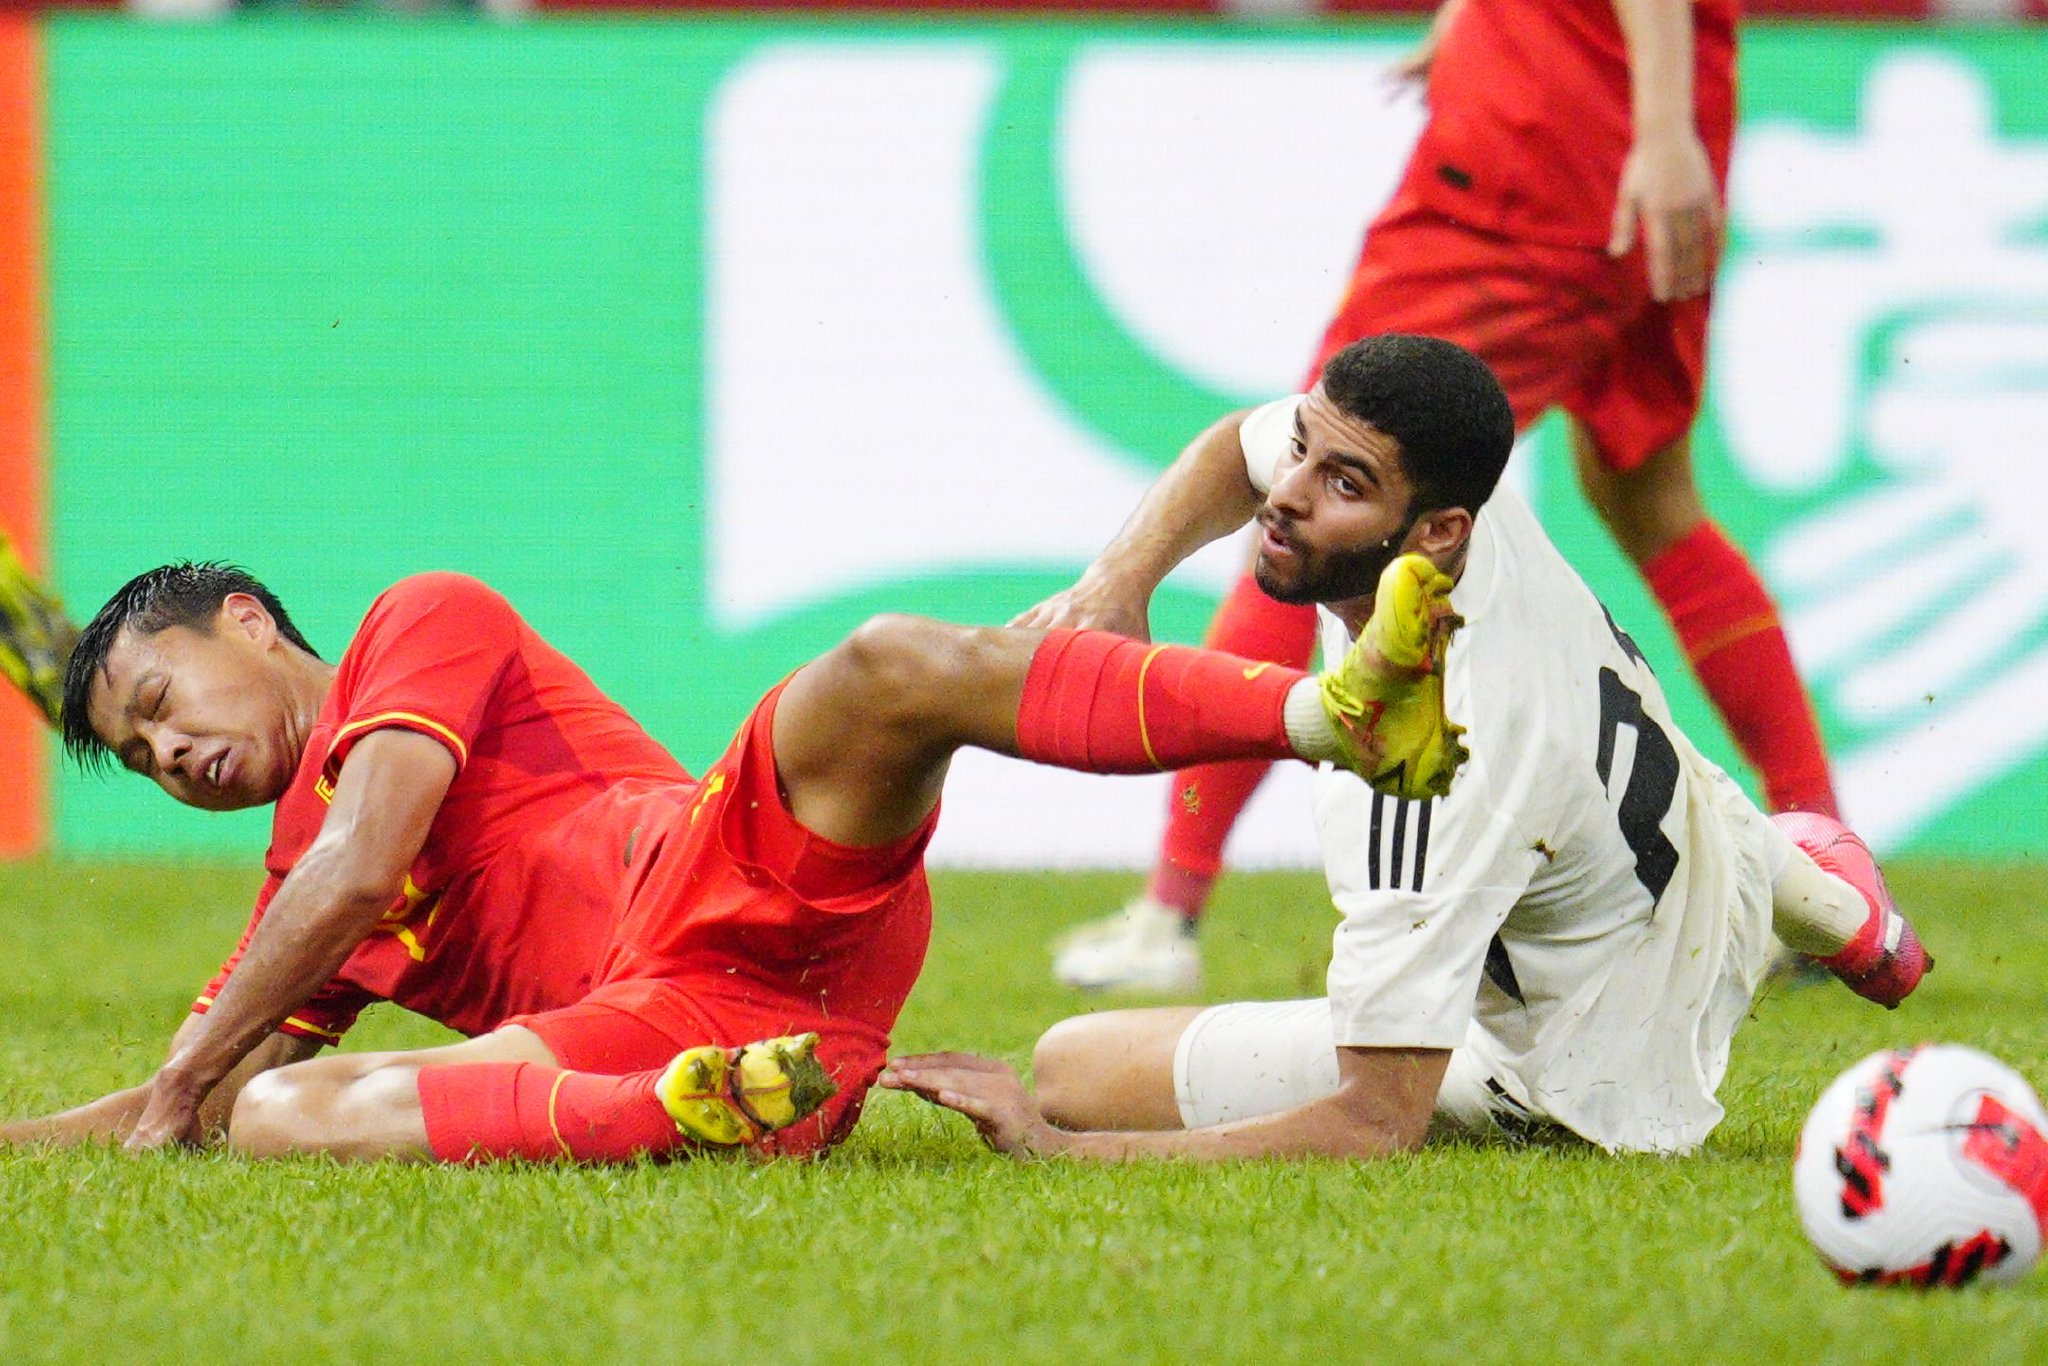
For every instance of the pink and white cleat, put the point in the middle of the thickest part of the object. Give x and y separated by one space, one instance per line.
1885 961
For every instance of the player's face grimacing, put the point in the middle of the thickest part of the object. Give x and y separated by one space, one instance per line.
1338 511
199 713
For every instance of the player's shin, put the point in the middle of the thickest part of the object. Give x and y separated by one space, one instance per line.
1105 704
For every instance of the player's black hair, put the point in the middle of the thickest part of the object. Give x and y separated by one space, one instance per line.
187 594
1440 403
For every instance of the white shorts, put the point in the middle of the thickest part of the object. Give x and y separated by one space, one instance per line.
1259 1057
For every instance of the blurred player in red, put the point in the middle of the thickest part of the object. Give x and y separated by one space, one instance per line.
646 963
1560 218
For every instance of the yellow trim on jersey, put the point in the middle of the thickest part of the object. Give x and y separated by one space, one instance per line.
385 718
1144 735
714 786
294 1021
413 948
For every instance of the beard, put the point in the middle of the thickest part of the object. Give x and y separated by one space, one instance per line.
1325 576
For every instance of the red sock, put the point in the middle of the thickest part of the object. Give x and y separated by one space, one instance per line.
1103 704
482 1112
1206 800
1729 629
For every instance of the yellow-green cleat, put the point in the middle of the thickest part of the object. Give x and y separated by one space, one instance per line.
730 1097
35 635
1386 699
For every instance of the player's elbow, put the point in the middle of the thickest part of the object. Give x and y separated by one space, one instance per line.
1363 1127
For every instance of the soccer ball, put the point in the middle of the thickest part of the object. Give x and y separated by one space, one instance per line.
1925 1166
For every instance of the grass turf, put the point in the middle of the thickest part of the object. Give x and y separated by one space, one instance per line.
914 1242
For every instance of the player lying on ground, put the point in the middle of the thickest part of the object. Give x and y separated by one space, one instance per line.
1565 943
35 635
644 962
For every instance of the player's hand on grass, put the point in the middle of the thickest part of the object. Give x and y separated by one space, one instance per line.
1091 605
1667 187
170 1115
986 1091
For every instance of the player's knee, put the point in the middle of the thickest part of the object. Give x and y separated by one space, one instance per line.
895 667
321 1107
267 1119
1061 1072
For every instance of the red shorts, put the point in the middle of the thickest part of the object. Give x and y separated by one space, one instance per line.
1568 327
738 924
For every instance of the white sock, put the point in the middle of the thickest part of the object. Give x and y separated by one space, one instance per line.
1814 911
1309 728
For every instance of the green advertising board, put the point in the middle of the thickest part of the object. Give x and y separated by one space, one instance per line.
704 341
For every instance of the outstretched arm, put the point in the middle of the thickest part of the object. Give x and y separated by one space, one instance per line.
1204 495
1667 182
1382 1105
112 1118
384 802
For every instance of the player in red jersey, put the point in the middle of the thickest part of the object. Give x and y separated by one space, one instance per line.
466 826
1560 218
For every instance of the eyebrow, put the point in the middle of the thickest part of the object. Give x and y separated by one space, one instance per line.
142 680
1344 458
124 753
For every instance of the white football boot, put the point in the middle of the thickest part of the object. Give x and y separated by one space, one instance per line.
1146 946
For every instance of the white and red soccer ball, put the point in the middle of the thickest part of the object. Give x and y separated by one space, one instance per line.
1925 1166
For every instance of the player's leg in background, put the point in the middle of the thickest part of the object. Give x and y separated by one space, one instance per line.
1149 945
35 635
1631 438
1720 611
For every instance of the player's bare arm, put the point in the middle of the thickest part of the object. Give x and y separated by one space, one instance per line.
1382 1106
1667 188
384 802
111 1118
1203 496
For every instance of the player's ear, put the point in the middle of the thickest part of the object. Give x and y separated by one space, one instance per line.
1443 531
243 613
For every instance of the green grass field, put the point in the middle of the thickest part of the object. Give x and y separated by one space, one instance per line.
913 1242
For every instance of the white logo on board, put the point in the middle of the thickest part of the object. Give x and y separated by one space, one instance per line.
870 416
1893 307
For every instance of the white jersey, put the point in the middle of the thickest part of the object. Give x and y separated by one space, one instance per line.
1588 912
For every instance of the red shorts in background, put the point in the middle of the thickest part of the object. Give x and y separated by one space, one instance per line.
738 924
1567 327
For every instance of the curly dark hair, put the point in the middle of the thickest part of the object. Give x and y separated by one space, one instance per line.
1442 406
187 593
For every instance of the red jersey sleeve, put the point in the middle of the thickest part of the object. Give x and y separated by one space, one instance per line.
326 1017
427 658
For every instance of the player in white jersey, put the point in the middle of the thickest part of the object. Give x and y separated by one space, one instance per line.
1564 943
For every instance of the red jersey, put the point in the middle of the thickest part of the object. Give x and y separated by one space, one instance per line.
1530 117
547 771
